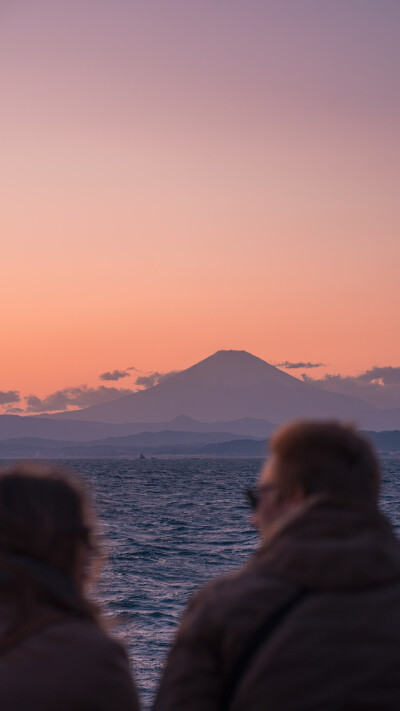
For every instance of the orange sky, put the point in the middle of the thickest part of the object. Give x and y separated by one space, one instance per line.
184 180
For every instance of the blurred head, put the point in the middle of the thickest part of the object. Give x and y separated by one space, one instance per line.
316 458
45 514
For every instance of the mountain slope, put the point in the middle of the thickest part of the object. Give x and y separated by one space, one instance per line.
232 385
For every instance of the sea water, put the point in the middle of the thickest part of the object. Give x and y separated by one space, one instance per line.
168 526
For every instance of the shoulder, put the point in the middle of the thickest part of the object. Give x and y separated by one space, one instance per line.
246 593
84 638
217 621
94 659
80 666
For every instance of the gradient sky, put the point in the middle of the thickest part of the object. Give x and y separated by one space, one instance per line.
180 176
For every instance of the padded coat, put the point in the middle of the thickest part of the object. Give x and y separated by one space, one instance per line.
67 664
338 649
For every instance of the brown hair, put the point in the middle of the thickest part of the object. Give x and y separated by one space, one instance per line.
326 458
45 516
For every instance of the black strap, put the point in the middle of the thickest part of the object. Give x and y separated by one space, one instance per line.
262 633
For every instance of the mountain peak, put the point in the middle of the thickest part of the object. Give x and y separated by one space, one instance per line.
232 355
229 385
232 358
231 351
232 366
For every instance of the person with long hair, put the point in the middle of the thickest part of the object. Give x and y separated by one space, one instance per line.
55 653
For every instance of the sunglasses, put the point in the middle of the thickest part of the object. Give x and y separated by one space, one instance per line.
253 494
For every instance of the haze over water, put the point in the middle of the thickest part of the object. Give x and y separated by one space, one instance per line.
170 525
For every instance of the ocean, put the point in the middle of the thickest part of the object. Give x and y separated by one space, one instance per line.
168 526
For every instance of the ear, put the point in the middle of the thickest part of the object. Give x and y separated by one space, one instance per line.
296 496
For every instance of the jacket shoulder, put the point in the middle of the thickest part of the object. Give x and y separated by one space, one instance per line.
241 596
81 664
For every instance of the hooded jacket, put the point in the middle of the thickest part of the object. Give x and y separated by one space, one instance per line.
58 658
338 649
67 665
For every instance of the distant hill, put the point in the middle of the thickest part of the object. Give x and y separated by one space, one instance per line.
385 441
165 443
165 437
16 426
236 448
63 429
232 385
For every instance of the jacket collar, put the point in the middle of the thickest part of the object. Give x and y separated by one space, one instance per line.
326 543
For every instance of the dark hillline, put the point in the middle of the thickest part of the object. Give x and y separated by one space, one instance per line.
165 443
12 426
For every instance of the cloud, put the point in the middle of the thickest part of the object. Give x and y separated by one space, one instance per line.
379 386
80 397
147 381
166 376
387 375
9 396
289 365
115 375
14 410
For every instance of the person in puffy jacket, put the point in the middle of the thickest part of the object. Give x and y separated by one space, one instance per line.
312 622
54 651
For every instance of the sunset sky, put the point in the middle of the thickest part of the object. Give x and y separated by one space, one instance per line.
181 176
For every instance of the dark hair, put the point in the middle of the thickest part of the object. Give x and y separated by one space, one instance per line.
45 516
326 458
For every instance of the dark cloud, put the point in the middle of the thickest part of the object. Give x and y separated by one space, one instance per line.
114 375
334 383
387 375
56 401
14 410
289 365
132 367
166 376
379 386
74 397
9 396
147 381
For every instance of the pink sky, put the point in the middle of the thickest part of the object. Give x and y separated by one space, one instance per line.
180 176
